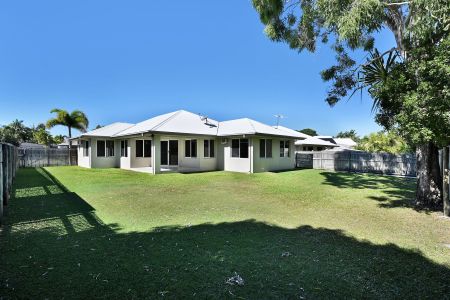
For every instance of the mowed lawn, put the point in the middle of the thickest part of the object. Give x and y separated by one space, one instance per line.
110 233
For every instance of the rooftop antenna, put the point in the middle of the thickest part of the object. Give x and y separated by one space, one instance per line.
279 116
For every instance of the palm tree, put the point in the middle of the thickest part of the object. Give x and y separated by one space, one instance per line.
76 119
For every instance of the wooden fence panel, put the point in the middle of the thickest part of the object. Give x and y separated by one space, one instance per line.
8 168
31 157
357 161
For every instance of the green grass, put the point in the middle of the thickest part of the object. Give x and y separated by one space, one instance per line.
109 233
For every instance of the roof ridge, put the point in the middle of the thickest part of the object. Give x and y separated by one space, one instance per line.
251 124
166 120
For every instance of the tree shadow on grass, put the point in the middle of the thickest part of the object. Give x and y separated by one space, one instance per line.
396 191
72 254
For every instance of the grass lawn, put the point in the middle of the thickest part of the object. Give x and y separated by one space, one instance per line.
110 233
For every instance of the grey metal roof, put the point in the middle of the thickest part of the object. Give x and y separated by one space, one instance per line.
184 122
180 121
108 130
312 140
251 127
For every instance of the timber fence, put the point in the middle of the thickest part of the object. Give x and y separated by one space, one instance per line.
8 168
359 162
47 157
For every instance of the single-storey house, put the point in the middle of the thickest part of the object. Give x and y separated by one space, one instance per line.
313 143
182 141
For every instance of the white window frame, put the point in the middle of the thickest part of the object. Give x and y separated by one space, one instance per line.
125 148
265 148
190 148
85 149
208 154
106 153
143 148
282 153
248 150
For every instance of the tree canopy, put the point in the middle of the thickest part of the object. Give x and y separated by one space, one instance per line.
349 134
309 131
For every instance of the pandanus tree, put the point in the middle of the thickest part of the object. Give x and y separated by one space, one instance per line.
409 82
74 120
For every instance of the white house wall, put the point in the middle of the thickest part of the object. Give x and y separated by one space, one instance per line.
237 164
138 162
84 161
104 162
275 163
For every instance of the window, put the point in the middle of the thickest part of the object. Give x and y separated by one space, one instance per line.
100 148
109 148
143 148
284 149
310 148
139 148
239 148
190 148
265 148
86 148
147 148
105 148
208 148
319 148
124 148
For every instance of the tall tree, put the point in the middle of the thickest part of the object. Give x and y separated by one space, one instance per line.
408 82
309 131
383 141
74 120
349 134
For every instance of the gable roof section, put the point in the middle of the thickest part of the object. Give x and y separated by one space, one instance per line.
108 130
180 121
250 127
299 135
312 140
345 142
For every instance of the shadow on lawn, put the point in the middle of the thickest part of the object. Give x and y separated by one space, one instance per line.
397 191
54 246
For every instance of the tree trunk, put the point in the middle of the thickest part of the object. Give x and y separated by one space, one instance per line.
429 178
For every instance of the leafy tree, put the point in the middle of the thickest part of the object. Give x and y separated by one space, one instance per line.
349 134
384 142
15 133
74 120
409 83
58 139
309 131
43 137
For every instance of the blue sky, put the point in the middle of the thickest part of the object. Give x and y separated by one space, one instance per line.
131 60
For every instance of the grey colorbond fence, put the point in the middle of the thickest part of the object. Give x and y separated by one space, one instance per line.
32 157
8 168
357 161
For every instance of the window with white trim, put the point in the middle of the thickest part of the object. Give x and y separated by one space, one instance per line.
239 148
143 148
265 148
124 148
85 148
105 148
284 149
208 148
190 148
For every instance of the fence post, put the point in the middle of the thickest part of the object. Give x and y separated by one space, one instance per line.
445 177
1 183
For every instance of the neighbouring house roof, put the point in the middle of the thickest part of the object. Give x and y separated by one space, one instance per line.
346 142
312 140
180 121
66 143
184 122
251 127
300 135
108 130
32 145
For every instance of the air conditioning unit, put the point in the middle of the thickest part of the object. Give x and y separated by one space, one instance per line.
224 141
